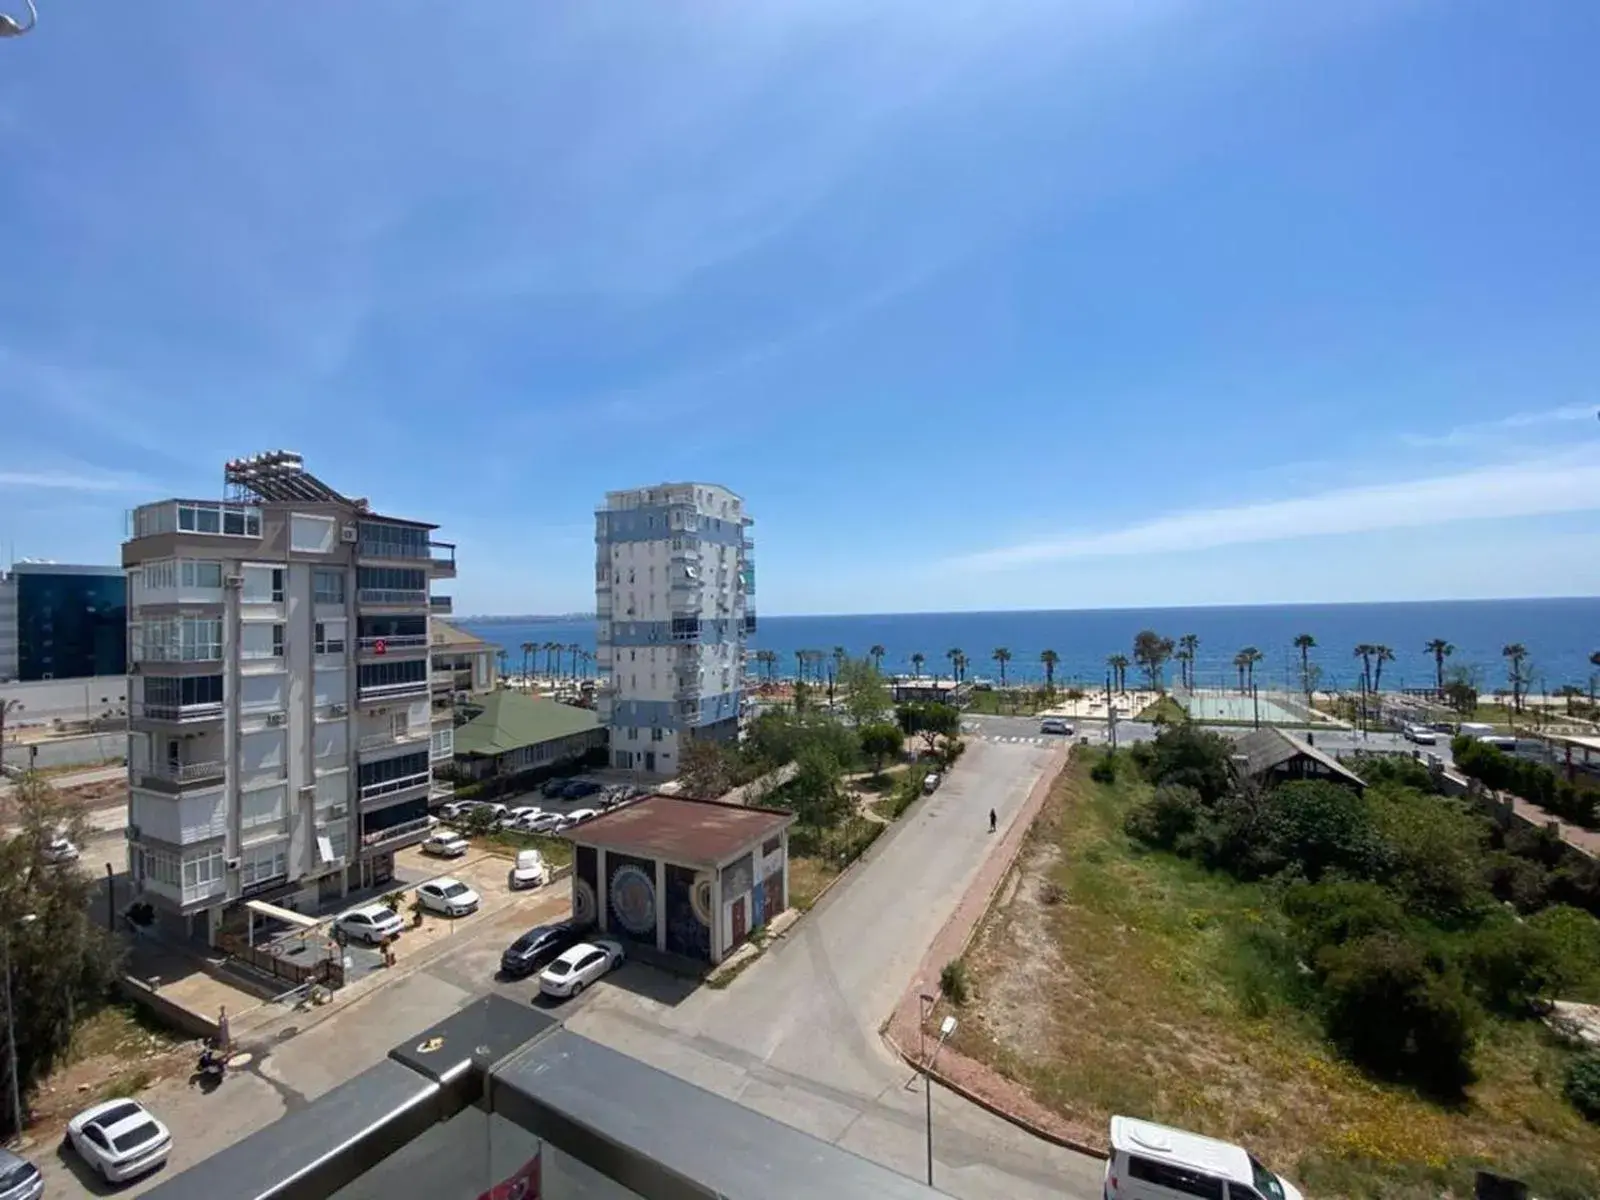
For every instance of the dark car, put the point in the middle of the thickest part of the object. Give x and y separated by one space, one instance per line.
553 788
535 949
580 788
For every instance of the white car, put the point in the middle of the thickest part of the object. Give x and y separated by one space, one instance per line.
1155 1162
517 817
1055 725
578 968
546 823
60 849
119 1139
446 845
581 814
1421 735
529 871
448 896
370 923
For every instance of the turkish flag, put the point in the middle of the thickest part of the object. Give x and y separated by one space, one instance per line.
524 1185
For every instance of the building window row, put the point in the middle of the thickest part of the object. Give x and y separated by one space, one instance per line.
233 519
327 586
263 864
388 674
330 637
178 639
393 626
389 770
396 579
179 693
382 540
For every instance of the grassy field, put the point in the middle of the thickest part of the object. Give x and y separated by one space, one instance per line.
1163 709
556 851
1012 702
1115 980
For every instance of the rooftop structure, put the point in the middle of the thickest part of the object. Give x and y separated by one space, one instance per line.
695 833
1272 756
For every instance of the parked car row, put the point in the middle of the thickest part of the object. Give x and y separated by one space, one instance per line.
532 818
566 963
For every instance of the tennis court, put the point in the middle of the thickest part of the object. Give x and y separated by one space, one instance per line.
1223 706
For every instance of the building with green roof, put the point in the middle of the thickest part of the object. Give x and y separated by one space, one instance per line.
508 731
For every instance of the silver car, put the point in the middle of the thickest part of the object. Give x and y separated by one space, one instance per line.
19 1178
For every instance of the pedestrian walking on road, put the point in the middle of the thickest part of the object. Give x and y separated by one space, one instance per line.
993 820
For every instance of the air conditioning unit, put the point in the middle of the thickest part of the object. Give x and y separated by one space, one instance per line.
231 864
233 581
276 718
338 710
347 533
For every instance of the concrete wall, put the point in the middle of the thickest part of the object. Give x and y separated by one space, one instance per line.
68 752
168 1012
66 700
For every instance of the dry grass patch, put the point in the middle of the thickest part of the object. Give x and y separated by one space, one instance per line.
1116 980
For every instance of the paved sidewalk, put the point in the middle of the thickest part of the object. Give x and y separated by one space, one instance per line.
976 1081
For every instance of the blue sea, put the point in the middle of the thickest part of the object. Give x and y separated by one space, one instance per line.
1560 636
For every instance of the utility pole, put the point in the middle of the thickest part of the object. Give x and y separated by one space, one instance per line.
1111 714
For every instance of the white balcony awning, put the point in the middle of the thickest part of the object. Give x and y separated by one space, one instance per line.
287 915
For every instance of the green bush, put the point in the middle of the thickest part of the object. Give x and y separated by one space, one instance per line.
1399 1011
1340 911
1189 755
1171 812
1433 855
954 981
1513 964
1104 769
1321 827
1574 937
1582 1084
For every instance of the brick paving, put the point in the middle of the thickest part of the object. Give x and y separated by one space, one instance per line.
976 1081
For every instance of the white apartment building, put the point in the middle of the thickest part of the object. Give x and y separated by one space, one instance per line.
674 577
284 718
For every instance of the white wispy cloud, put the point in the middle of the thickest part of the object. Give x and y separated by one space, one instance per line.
69 481
1564 483
1484 431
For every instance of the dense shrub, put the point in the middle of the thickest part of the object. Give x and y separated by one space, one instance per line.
1574 936
1104 769
954 982
1189 755
1321 827
1399 1011
1340 911
880 741
1512 964
1532 781
1171 812
1393 770
1433 855
1520 882
1582 1084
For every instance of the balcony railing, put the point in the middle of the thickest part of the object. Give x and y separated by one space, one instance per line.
394 833
170 775
400 641
392 597
176 712
443 554
749 622
441 604
393 691
444 681
390 787
440 790
377 741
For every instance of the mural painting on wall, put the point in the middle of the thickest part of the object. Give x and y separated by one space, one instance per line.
585 910
688 908
771 896
631 897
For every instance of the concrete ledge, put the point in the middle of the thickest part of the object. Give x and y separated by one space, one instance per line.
169 1012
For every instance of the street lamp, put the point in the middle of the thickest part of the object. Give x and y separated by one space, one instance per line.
11 27
946 1028
11 1026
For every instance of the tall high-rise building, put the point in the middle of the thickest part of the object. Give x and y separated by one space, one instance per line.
283 717
59 621
674 577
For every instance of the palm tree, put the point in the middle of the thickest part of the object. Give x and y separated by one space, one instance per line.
1594 661
527 652
502 656
7 707
954 655
1305 643
1002 656
917 660
961 666
1240 661
1049 658
1364 653
800 666
551 650
1380 655
1119 670
1248 657
1188 644
1441 650
1517 654
838 658
877 652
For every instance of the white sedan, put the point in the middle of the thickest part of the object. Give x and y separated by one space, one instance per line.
579 967
119 1139
446 845
447 896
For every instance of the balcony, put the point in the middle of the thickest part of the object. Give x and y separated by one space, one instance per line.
391 737
392 598
440 791
174 777
689 710
750 621
447 681
687 687
441 605
412 831
380 646
195 517
176 714
395 787
443 557
392 691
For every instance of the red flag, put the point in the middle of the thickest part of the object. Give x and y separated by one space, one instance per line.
524 1185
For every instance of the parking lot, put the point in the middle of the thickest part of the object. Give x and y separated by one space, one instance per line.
549 813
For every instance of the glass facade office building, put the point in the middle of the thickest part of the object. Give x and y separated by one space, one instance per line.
71 621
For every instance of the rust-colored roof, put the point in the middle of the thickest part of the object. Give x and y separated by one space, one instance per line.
692 833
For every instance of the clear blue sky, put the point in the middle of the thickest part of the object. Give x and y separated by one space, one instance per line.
980 304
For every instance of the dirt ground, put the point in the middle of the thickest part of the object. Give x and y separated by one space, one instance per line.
115 1053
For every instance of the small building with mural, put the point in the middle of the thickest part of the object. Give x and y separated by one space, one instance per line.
692 878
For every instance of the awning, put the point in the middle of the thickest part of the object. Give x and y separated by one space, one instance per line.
287 915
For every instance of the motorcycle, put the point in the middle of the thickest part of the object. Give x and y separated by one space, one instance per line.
213 1064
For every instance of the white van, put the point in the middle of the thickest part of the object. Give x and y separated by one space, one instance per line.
1500 742
1155 1162
1476 728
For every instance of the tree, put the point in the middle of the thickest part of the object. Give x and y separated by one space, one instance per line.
1189 756
866 694
937 721
877 652
961 667
501 655
573 648
1321 827
1001 656
1151 651
1461 692
1190 644
1305 643
1516 655
955 656
1364 652
917 660
1380 655
527 653
63 962
1049 658
1245 663
880 741
1119 671
1594 661
705 769
7 707
1441 650
800 666
552 652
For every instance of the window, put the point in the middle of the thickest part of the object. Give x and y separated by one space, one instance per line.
263 864
179 639
393 674
382 540
327 586
201 872
192 689
199 573
658 734
161 575
403 579
330 637
277 585
388 770
232 519
1178 1179
277 641
770 847
260 806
